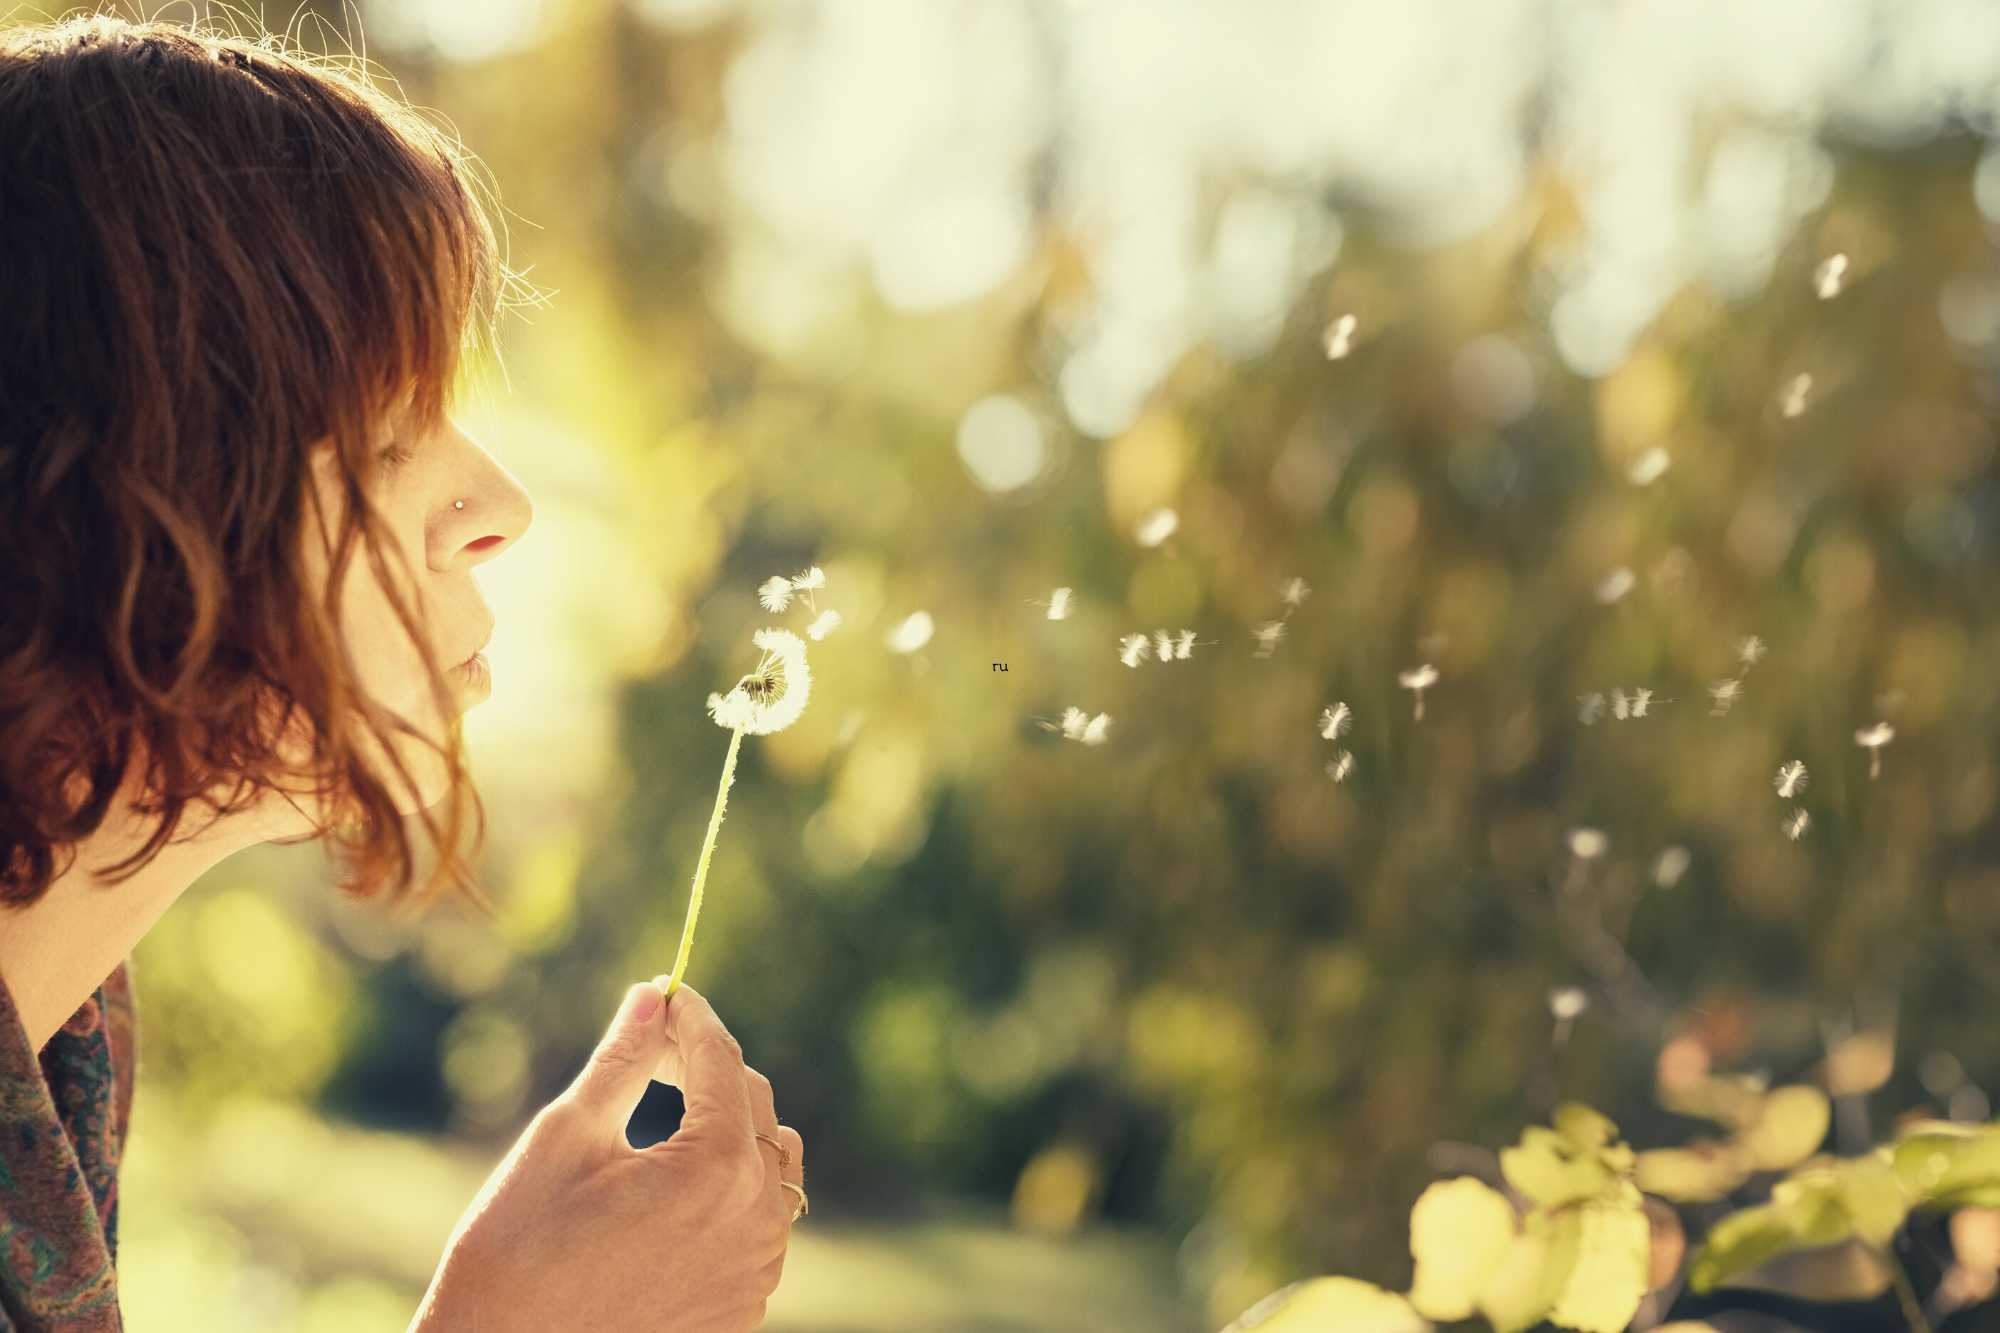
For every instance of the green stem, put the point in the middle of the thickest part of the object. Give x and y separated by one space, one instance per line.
701 867
1911 1310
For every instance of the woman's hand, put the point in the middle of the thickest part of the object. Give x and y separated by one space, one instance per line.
577 1229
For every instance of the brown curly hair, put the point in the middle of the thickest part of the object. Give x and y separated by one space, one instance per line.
219 256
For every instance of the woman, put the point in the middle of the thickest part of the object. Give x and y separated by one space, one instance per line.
237 536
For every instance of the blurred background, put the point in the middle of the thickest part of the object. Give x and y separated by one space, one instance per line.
1562 346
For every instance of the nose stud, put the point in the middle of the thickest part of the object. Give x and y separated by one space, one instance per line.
458 504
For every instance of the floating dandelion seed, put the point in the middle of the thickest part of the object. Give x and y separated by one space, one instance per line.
769 699
1336 721
824 624
1340 766
1338 338
1725 693
1872 739
1650 466
1621 706
809 582
1795 393
911 633
1829 276
1157 526
1268 635
1615 585
1642 698
1587 844
1132 649
1294 590
1163 645
1059 604
1750 651
1094 732
1796 823
1567 1002
1074 720
1185 647
1591 708
775 593
1792 779
1671 865
1418 680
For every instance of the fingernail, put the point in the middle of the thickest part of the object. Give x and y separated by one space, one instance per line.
644 997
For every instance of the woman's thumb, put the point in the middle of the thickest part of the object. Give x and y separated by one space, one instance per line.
621 1067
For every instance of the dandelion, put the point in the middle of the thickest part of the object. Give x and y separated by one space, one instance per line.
1591 708
1157 526
1268 635
1642 699
1795 394
1649 467
1059 604
808 583
911 633
769 699
824 624
1587 844
1670 866
1567 1002
1872 739
1725 693
1293 590
1132 649
1791 779
1338 338
1340 766
1336 721
1094 731
1163 645
1750 651
775 593
1418 680
1796 823
1613 586
1074 720
1621 705
1184 648
1829 276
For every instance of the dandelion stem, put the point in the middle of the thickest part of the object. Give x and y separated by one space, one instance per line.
701 866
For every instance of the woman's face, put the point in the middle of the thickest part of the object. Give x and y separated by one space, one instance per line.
415 481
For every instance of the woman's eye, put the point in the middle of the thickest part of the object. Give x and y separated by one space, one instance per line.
395 456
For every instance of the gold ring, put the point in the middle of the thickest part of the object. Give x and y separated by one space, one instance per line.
784 1153
799 1190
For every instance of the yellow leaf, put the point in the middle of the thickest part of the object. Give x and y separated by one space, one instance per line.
1459 1229
1698 1173
1321 1303
1583 1126
1613 1256
1547 1167
1873 1197
1522 1287
1790 1129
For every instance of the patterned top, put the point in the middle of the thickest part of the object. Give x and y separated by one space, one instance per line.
62 1132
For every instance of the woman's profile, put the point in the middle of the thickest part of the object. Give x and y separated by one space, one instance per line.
238 535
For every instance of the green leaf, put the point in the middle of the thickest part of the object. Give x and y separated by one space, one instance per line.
1321 1303
1698 1173
1873 1196
1584 1127
1806 1210
1608 1280
1459 1229
1944 1166
1791 1127
1548 1168
1524 1285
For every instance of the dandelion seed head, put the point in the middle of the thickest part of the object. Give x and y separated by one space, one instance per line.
911 633
1590 708
1671 864
1294 591
1650 466
1340 766
1336 721
1418 678
1132 649
1725 693
1613 586
1157 526
1567 1002
1185 647
772 696
1796 823
1074 720
1792 779
1095 732
1875 737
1163 645
1829 277
1642 698
1796 390
1268 635
1338 338
775 593
1587 844
1059 604
1621 706
825 623
812 578
1750 651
